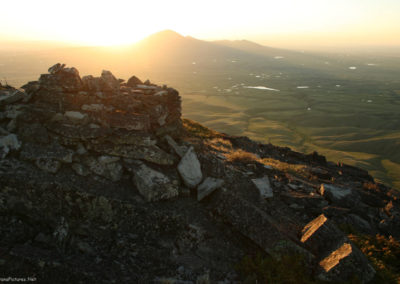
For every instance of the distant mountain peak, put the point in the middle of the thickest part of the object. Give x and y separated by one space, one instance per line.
166 34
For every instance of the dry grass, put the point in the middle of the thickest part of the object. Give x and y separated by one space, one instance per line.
219 145
197 130
242 157
285 167
384 254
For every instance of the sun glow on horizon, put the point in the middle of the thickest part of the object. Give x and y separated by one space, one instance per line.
122 22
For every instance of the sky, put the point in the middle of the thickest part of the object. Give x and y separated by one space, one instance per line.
284 23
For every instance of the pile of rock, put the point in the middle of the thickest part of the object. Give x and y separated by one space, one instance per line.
100 126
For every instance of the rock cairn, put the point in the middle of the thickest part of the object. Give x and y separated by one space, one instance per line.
98 126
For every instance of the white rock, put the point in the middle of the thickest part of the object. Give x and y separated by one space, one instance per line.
161 93
190 170
264 187
208 186
146 87
75 116
92 107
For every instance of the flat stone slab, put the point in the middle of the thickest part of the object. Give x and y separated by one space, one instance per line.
257 225
264 187
148 153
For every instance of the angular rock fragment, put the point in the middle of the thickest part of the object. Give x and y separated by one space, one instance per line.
56 68
8 143
208 186
134 81
177 149
108 81
190 169
154 185
264 187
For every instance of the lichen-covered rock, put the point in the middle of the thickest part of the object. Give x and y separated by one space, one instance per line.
111 169
55 151
154 185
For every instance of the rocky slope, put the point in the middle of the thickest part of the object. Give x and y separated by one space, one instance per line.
101 181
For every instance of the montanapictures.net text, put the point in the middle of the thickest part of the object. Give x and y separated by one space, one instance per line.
18 279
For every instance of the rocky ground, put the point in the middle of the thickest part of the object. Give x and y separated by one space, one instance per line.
101 181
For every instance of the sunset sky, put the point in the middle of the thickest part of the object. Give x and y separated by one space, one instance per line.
283 23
